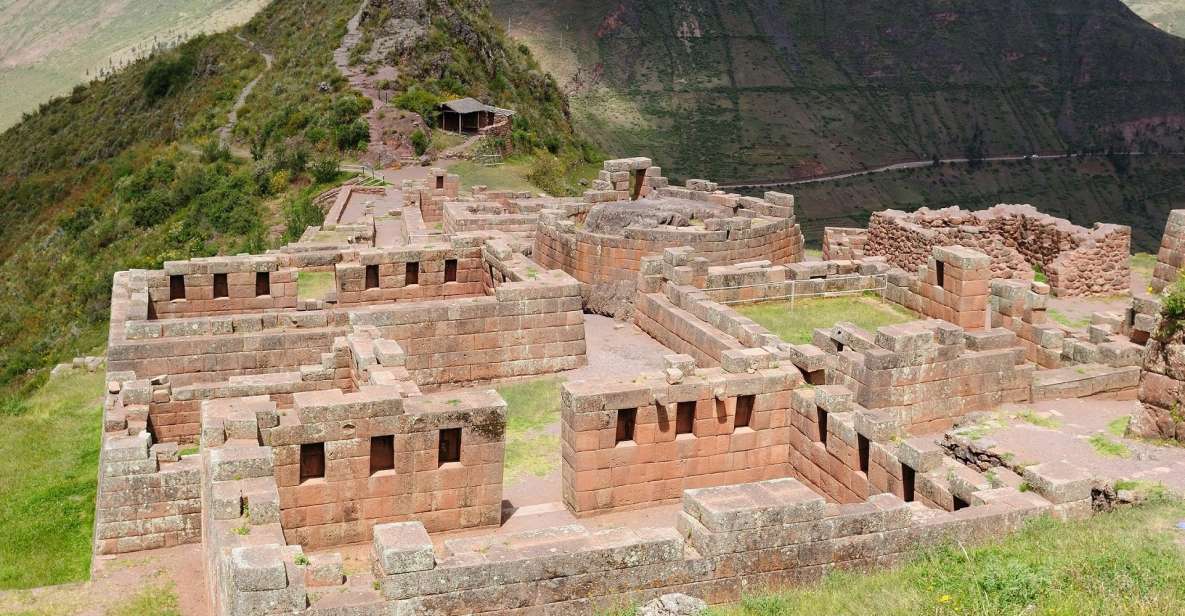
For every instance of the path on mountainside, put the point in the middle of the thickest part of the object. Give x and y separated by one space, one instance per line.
914 164
377 150
232 119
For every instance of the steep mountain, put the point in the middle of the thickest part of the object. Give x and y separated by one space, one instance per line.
127 171
772 89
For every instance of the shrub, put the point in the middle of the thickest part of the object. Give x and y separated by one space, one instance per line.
325 169
353 135
213 151
300 214
169 74
419 141
279 182
421 101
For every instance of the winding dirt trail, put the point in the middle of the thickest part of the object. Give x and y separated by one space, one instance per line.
232 119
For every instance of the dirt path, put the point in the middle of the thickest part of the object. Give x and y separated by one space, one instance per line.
232 119
121 582
913 164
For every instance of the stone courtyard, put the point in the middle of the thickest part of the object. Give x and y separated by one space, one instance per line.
344 451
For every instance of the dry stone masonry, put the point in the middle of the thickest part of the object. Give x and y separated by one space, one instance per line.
293 432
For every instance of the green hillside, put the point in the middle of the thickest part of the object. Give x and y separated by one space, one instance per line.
126 173
49 46
772 89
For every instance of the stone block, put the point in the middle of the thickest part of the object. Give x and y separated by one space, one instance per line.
403 548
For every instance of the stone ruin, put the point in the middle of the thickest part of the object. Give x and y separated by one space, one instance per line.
281 430
1020 241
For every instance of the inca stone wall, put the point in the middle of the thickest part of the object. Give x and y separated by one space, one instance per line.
601 242
1162 385
429 196
952 286
685 431
1171 256
391 270
843 243
927 373
1077 261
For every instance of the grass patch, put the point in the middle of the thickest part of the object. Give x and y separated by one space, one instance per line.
1042 421
1068 321
314 285
152 601
532 406
1119 426
1131 557
510 176
48 465
1143 263
1107 447
797 326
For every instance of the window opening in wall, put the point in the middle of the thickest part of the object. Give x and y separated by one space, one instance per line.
411 273
960 503
450 446
822 416
220 287
263 283
941 269
372 276
863 446
638 178
685 418
382 453
440 182
312 461
744 411
625 424
176 287
839 347
907 480
450 270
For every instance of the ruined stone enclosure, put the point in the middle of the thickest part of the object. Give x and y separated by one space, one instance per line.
321 418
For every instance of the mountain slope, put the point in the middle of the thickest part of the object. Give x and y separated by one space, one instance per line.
770 89
47 47
1168 15
126 172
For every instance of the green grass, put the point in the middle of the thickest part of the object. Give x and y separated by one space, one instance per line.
1143 263
796 326
1042 421
1068 321
510 176
48 465
160 600
1107 447
1119 426
532 406
314 285
1126 562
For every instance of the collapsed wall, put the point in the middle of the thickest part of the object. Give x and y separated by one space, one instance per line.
1077 261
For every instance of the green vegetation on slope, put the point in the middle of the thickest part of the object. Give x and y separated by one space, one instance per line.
49 46
1127 562
767 89
797 325
532 406
48 464
1083 191
124 173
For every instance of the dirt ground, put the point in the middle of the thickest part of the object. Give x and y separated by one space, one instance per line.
124 584
1069 440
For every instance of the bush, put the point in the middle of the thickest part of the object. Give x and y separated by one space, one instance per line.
353 135
169 74
421 101
299 215
420 142
152 209
325 170
213 151
279 182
